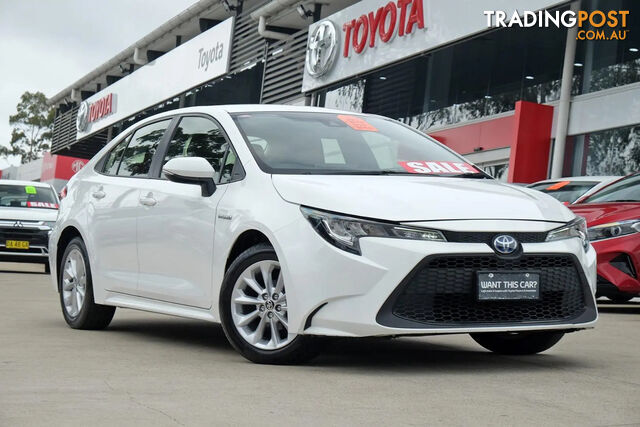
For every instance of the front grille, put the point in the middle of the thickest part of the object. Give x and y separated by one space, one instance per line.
487 237
442 291
34 237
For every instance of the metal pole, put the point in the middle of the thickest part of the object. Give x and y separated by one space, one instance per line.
564 103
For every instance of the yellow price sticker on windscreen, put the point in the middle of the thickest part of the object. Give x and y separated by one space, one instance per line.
30 189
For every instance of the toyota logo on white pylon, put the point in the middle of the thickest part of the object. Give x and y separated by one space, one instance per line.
321 51
82 120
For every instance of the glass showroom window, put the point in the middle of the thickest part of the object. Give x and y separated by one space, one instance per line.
349 97
603 64
472 79
608 152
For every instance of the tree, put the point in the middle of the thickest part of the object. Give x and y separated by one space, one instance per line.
32 128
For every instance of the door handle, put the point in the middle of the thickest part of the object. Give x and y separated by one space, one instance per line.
98 194
148 200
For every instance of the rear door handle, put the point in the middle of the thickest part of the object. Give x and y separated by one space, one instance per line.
148 200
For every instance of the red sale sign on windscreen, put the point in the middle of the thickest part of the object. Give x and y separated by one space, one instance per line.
46 205
432 167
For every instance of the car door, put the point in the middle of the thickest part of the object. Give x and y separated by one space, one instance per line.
114 199
176 223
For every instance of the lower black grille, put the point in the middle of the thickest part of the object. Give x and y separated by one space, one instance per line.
442 291
33 236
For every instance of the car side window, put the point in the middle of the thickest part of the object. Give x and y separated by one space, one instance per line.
198 137
112 162
232 169
137 157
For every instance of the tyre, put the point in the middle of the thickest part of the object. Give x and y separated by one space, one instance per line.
620 298
518 342
76 290
253 310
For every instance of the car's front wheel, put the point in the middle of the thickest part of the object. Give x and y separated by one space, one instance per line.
254 307
518 343
76 290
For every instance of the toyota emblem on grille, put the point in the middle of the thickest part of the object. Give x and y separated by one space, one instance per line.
505 244
18 224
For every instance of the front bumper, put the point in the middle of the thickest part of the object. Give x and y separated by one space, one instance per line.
618 264
38 238
341 294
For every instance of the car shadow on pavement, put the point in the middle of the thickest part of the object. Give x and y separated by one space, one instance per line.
631 307
409 354
181 332
383 354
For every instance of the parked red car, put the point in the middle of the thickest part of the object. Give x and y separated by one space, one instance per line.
613 221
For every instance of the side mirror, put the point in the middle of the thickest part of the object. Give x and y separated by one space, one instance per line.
191 170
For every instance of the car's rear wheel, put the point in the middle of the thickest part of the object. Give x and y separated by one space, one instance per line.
254 307
518 343
76 290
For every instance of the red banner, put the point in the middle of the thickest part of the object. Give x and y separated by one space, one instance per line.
42 205
60 167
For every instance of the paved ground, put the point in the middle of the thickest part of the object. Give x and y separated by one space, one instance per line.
148 369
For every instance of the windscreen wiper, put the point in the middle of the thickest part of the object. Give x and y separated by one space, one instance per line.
371 172
475 175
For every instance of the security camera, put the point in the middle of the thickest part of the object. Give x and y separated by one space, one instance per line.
228 7
303 12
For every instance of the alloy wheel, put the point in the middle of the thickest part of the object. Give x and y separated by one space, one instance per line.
259 306
74 282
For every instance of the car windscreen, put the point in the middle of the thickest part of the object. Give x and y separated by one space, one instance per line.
625 190
330 143
565 191
27 196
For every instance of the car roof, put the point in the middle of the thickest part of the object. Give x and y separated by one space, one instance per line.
18 183
236 108
240 108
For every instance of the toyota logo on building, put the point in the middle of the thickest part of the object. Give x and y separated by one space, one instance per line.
505 244
77 165
322 49
82 120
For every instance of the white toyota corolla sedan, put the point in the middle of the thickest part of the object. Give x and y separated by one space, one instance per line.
289 223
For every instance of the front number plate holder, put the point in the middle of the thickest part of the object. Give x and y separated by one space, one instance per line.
497 285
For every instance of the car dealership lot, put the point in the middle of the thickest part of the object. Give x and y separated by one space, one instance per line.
150 369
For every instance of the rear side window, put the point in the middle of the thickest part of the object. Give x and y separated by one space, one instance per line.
198 137
137 157
113 158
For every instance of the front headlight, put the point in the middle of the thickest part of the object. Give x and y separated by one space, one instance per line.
614 229
575 228
345 232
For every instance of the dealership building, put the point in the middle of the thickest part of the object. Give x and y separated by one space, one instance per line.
525 102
